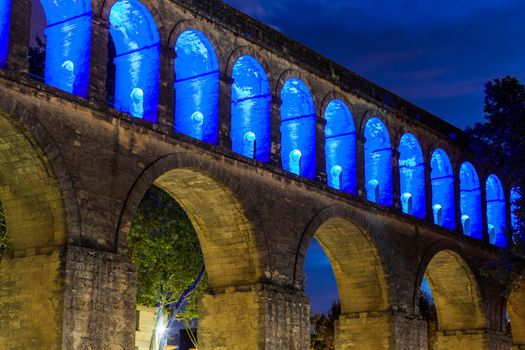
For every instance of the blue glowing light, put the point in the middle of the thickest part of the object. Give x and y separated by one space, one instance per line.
298 122
470 201
136 40
378 163
68 42
515 196
443 202
5 22
496 211
196 87
251 100
412 176
340 147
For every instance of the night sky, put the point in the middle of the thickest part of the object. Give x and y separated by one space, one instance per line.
436 54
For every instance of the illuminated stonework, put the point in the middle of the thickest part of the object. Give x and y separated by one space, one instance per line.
266 145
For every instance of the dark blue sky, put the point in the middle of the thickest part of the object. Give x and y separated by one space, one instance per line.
436 54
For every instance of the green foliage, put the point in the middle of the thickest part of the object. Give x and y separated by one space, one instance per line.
163 244
36 57
501 142
322 337
3 232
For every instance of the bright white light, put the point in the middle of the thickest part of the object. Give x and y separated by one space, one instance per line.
161 329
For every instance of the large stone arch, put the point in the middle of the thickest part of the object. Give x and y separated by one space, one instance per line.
516 310
234 251
366 320
31 273
462 322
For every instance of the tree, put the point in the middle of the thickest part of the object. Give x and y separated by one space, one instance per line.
3 232
36 56
501 141
323 335
163 244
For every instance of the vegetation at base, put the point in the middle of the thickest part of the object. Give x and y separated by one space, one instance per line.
500 141
322 337
3 232
164 245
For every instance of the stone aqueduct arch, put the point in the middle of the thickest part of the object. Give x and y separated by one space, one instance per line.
67 278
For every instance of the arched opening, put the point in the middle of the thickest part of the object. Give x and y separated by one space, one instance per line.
455 292
134 60
321 290
378 162
516 313
470 201
231 256
340 147
515 197
496 211
361 282
196 87
251 100
298 124
443 201
5 23
66 41
31 268
412 176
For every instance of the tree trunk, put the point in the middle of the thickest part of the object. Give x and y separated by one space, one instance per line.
158 320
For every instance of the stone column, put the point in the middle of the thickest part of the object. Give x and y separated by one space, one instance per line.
19 32
484 221
225 92
428 192
320 158
98 61
275 130
380 331
360 166
396 180
166 88
99 302
257 317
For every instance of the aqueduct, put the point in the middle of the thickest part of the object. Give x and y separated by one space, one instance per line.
265 144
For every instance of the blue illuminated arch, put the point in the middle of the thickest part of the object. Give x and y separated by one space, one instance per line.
68 42
136 39
196 87
470 201
496 211
251 100
443 201
5 23
378 163
340 147
412 177
515 196
298 121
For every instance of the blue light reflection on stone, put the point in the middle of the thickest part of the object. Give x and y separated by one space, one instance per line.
136 40
196 87
378 163
443 202
298 125
5 22
340 147
68 44
470 201
515 196
250 105
412 176
496 211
